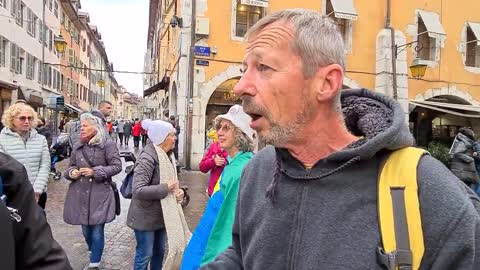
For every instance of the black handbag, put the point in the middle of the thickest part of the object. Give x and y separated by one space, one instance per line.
116 195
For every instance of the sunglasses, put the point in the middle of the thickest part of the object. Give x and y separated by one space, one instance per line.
225 128
24 118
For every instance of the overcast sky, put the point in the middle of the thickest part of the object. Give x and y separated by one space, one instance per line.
123 25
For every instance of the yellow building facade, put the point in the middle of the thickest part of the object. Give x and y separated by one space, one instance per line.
443 35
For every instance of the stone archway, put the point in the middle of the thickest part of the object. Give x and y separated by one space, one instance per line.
429 125
447 91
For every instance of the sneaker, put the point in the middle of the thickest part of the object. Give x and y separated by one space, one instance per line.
92 266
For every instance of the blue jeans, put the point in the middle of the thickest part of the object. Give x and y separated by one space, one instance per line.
95 238
150 248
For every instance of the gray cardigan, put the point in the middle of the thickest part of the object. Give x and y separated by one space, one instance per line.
145 212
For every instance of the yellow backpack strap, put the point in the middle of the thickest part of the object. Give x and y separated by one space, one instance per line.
399 211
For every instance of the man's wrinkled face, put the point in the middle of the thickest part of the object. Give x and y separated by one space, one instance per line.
275 92
106 109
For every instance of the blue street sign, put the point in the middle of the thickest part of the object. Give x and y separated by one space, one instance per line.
202 63
202 51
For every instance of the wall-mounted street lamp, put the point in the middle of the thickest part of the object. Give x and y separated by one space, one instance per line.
60 44
101 83
417 68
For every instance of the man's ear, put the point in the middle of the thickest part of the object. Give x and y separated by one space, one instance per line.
328 81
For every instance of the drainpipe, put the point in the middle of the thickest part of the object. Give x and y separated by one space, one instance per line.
191 77
393 48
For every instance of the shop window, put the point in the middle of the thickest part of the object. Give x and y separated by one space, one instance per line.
246 16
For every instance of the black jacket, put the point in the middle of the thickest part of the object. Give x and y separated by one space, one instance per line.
462 163
32 242
45 131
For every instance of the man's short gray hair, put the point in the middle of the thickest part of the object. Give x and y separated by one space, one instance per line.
316 37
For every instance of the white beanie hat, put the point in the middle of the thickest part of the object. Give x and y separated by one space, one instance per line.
240 119
157 130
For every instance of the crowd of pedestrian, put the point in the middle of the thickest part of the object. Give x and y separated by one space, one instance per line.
311 199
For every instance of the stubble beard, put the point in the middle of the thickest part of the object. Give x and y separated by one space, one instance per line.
279 135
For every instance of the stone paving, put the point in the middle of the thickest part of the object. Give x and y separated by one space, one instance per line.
119 239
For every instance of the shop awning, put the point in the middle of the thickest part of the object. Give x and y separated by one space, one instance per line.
432 23
7 85
72 108
475 27
31 96
344 9
257 3
162 85
462 110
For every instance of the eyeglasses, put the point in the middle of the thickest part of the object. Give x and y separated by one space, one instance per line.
24 118
225 128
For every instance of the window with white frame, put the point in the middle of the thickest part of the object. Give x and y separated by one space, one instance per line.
21 61
50 40
55 8
50 5
472 45
46 40
30 71
30 22
14 8
41 33
35 22
45 74
3 51
430 35
3 3
246 16
39 75
343 13
49 76
14 55
20 12
59 83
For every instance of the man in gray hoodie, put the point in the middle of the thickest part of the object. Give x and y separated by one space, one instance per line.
310 202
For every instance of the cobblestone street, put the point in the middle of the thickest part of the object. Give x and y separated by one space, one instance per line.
119 239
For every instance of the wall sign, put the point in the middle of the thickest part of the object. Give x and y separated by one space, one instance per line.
202 51
202 63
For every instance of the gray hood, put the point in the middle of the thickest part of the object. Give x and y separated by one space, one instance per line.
100 115
377 119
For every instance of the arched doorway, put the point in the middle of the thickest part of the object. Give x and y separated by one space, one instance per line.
221 100
440 117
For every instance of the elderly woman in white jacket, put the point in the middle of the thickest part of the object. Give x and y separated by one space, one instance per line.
20 140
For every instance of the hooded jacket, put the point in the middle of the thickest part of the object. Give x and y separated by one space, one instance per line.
326 217
32 245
